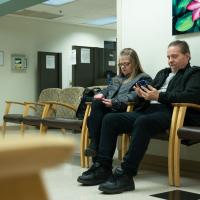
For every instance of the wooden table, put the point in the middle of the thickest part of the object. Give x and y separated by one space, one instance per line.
22 159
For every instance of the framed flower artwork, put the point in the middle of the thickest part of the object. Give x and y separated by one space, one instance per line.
186 16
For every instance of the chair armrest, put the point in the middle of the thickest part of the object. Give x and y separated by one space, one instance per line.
62 104
31 105
188 105
15 102
8 105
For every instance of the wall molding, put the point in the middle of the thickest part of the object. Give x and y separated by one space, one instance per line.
159 163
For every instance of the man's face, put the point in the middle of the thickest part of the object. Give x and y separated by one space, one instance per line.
176 59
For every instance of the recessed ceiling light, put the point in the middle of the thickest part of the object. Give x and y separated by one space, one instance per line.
103 21
57 2
3 1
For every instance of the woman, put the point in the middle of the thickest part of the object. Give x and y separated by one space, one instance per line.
114 98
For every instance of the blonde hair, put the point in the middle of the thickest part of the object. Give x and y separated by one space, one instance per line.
134 61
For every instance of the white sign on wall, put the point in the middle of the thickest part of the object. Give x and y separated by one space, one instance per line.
85 55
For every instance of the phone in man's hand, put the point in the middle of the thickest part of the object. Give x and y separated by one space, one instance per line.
143 83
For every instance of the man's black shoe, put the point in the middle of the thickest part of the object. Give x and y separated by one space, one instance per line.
118 183
91 149
95 175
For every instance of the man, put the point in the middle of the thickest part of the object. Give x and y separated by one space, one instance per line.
178 83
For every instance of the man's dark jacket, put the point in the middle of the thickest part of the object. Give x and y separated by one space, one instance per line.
183 88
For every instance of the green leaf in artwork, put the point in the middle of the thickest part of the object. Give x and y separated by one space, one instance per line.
182 6
196 29
185 22
198 22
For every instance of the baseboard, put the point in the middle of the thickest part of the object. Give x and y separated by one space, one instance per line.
159 163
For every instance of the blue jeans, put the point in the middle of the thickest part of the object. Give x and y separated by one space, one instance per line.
141 125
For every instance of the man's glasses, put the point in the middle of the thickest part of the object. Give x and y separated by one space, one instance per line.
125 64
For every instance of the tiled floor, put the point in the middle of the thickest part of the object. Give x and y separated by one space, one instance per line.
61 184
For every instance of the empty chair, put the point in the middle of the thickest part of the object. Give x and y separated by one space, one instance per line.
12 117
31 111
65 109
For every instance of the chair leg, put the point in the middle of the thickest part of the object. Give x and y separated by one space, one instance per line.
177 163
63 131
180 120
86 158
125 143
119 147
84 137
43 129
22 128
82 145
4 128
20 187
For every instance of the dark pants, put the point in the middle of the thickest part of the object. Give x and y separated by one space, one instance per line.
142 125
94 122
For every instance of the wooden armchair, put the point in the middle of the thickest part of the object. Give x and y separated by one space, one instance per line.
22 160
31 112
169 135
65 111
59 122
85 139
12 118
183 133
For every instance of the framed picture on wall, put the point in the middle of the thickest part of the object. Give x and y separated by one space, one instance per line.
186 16
1 58
19 62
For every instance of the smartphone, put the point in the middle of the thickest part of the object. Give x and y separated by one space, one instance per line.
143 83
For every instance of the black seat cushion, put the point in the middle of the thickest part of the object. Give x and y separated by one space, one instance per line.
189 135
15 118
32 120
71 124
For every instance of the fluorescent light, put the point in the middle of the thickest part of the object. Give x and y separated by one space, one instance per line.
103 21
3 1
57 2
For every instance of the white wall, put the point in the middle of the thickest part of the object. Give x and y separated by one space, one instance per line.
22 36
146 26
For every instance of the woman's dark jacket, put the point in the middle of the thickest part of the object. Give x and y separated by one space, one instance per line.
120 93
183 88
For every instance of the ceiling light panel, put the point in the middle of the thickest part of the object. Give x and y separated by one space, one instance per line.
3 1
103 21
57 2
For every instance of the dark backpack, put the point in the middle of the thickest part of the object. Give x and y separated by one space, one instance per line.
88 95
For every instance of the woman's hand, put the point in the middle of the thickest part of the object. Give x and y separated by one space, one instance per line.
107 102
137 90
99 96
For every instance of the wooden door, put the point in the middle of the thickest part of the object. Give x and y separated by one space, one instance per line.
49 70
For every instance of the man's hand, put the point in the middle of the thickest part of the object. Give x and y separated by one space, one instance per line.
107 102
149 93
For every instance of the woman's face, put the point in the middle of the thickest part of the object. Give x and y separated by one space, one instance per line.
125 65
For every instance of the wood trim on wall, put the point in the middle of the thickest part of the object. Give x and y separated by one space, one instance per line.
159 163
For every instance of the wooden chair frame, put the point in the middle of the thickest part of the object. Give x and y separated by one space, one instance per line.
171 148
85 139
182 108
50 106
26 108
7 111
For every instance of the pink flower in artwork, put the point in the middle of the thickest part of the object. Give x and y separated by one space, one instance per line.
195 7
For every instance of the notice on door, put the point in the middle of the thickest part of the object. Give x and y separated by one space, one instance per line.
50 62
85 55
